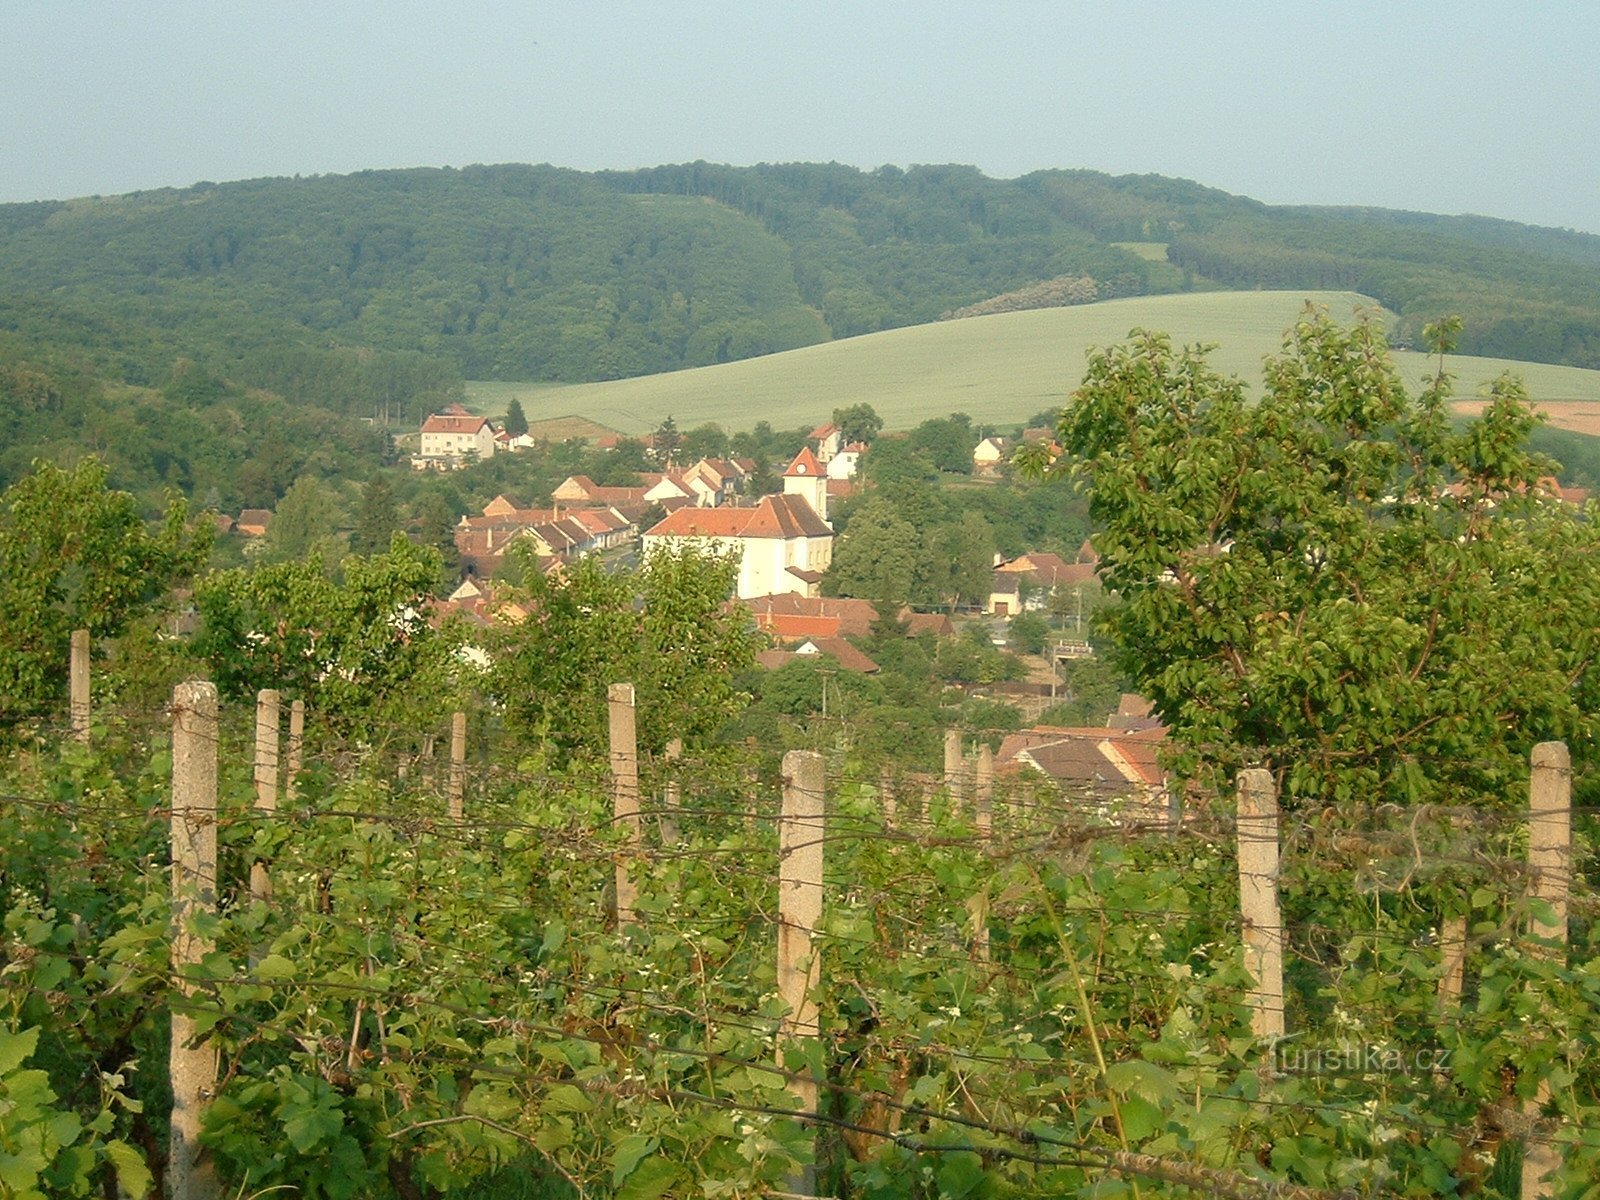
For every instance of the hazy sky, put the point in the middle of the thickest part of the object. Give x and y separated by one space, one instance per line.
1460 107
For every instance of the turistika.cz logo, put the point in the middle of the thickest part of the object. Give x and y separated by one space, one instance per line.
1355 1058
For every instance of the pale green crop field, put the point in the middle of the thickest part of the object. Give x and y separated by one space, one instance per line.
998 369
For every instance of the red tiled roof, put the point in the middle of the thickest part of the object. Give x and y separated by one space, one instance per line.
454 419
788 615
253 522
775 517
805 464
842 652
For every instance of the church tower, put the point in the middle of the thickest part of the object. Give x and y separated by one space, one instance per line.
808 479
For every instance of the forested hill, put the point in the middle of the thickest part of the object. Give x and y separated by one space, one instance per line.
534 272
223 338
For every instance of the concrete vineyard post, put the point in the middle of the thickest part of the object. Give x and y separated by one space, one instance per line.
672 798
801 827
297 737
192 1068
1452 962
79 684
268 713
886 796
953 765
1550 865
625 794
983 810
458 765
1258 899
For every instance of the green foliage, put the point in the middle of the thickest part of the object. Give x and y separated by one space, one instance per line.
358 649
304 522
376 519
516 421
665 627
76 555
1028 632
858 422
1329 579
877 558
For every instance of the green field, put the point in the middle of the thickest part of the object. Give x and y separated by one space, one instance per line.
998 369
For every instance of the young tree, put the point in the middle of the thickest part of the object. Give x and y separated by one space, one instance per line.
303 522
664 627
1330 581
377 518
76 555
359 651
516 422
436 528
665 441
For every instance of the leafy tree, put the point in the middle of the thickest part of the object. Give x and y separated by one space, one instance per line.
960 560
1331 581
948 442
664 627
705 441
1028 632
359 650
303 523
665 441
858 422
376 519
436 529
877 557
76 555
516 422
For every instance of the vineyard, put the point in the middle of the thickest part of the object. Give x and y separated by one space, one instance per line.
239 959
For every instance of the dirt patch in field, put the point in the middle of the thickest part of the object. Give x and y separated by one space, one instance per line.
1579 416
562 429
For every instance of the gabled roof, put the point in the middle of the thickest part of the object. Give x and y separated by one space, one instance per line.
454 419
789 615
774 517
1047 570
823 431
805 464
842 652
1108 759
1005 584
253 522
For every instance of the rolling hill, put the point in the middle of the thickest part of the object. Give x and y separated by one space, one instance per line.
998 369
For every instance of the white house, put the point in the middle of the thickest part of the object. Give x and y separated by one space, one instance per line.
456 434
783 545
991 454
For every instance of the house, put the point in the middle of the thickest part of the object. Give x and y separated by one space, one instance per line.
783 545
1005 595
791 617
1042 573
1113 770
453 438
847 461
828 439
554 535
253 522
841 651
990 455
581 490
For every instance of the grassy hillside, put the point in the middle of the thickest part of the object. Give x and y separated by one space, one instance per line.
997 369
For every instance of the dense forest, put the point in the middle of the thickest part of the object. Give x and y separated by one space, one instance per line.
225 338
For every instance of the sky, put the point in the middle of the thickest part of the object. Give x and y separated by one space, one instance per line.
1490 108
